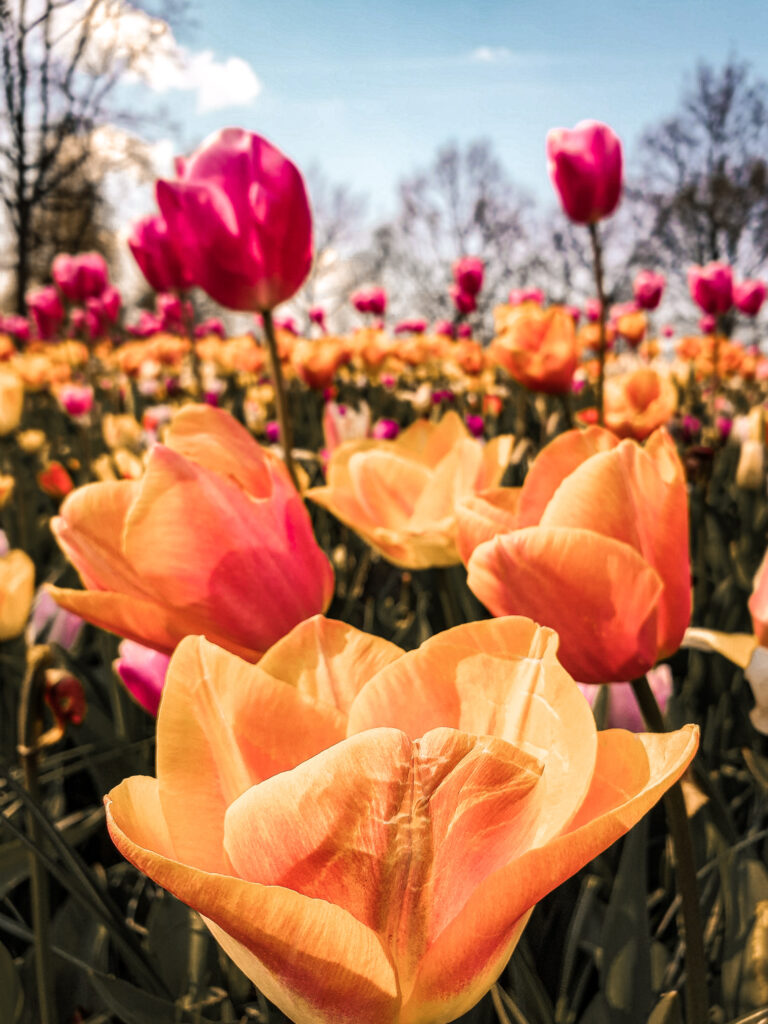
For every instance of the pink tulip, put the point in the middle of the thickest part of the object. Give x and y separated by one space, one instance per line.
317 316
711 287
385 430
707 323
16 326
518 295
668 331
369 300
468 274
287 323
415 325
585 166
749 296
142 671
464 331
242 208
445 328
111 302
213 325
76 399
623 711
574 312
621 309
80 277
161 258
147 324
463 301
592 310
648 289
46 310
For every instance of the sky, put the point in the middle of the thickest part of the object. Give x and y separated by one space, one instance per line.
369 89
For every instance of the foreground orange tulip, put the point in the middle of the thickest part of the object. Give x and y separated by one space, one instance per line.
213 539
595 545
537 347
400 495
388 878
637 403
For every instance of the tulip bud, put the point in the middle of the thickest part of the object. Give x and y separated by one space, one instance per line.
750 472
65 696
468 275
749 296
711 287
585 166
463 301
648 289
17 588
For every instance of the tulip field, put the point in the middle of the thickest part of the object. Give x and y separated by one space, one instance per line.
405 675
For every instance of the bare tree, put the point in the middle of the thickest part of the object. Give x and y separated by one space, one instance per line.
62 60
463 204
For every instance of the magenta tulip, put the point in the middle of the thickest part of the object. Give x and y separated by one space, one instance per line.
648 289
749 296
369 300
585 166
46 310
80 277
468 274
244 208
711 287
16 326
464 302
161 256
213 325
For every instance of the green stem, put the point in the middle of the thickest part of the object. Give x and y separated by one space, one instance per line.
283 417
697 999
30 729
597 259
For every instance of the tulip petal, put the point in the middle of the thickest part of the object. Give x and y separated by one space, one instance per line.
736 647
312 959
500 677
386 486
482 516
555 462
430 442
606 619
452 478
198 540
328 661
637 496
225 725
631 774
496 455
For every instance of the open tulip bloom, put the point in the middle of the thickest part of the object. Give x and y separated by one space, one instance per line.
366 831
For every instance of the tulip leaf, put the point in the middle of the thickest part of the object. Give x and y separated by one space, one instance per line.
668 1010
625 965
745 951
11 992
134 1006
179 942
14 865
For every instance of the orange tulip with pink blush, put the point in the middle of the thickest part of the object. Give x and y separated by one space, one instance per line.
321 809
400 495
595 545
212 539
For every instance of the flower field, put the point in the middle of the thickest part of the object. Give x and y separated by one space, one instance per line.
405 675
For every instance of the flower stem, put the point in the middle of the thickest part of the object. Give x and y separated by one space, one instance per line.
697 1000
283 417
597 261
30 731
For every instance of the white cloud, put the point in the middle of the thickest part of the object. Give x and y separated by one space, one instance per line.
220 84
491 55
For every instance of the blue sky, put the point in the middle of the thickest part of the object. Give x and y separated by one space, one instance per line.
369 89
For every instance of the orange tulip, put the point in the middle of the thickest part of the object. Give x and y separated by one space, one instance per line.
538 348
11 400
213 539
349 883
317 362
17 588
595 545
636 403
400 495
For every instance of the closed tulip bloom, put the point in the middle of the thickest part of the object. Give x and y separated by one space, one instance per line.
400 495
80 277
638 402
46 310
242 208
369 300
17 590
161 257
595 545
749 296
538 348
213 539
321 810
468 274
142 671
711 287
585 166
16 326
465 302
648 289
11 400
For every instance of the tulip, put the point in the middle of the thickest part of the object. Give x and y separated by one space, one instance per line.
46 310
415 325
711 287
11 400
400 495
17 327
343 423
213 325
589 501
638 402
520 295
369 300
321 810
538 348
385 429
465 302
239 209
592 309
54 480
585 166
468 275
648 289
17 589
80 277
317 316
444 328
76 400
142 671
161 256
53 625
749 296
464 331
193 546
623 709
